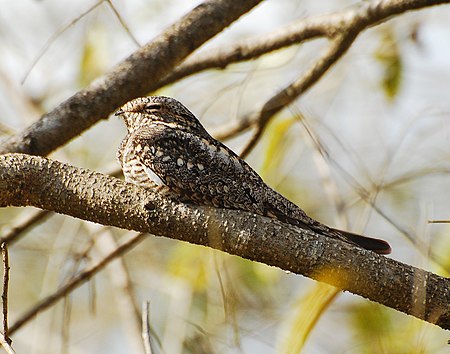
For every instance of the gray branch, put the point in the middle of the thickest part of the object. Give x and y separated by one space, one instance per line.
160 62
35 181
133 77
355 19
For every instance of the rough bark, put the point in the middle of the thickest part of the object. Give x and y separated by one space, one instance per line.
34 181
155 64
133 77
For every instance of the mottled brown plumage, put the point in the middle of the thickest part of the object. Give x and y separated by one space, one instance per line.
167 146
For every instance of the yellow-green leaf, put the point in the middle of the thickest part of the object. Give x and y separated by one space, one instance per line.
305 314
389 56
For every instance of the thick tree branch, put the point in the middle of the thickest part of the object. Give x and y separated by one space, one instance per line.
135 76
29 180
152 66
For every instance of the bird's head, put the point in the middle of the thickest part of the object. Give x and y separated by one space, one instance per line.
158 109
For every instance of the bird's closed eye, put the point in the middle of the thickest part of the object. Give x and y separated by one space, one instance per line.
153 107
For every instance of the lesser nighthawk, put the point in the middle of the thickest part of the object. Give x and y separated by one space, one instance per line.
167 146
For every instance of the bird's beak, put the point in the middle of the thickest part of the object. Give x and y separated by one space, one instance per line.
119 112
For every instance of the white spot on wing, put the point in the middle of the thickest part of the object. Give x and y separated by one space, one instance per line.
153 176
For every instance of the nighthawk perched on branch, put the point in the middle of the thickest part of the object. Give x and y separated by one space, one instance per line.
167 145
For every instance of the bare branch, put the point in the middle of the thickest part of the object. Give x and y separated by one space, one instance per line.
102 199
357 18
146 335
286 96
152 66
135 76
76 282
341 27
5 258
6 345
16 232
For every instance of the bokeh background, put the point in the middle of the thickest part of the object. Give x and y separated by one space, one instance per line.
366 149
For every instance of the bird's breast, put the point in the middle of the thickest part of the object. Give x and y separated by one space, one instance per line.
135 171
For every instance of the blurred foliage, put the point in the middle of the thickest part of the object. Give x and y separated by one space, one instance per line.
206 269
305 313
382 330
277 145
389 56
199 344
94 55
281 145
257 277
191 264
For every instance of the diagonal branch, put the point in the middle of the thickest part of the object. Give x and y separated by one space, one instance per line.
152 66
131 78
356 18
102 199
286 96
76 282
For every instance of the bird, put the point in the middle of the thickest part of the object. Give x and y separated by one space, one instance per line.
167 147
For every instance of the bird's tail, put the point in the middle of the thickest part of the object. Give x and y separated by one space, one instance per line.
374 244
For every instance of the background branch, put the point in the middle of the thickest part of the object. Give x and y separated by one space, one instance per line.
153 65
6 268
357 18
286 96
131 78
102 199
74 283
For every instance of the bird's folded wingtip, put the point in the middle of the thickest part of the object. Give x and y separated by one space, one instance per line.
369 243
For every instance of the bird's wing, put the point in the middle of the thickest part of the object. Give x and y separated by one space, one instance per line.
198 169
206 172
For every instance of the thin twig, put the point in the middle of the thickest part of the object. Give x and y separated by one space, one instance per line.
17 231
122 22
276 103
120 279
75 282
146 337
5 258
55 36
6 345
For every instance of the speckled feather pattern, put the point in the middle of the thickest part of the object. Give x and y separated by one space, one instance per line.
167 145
